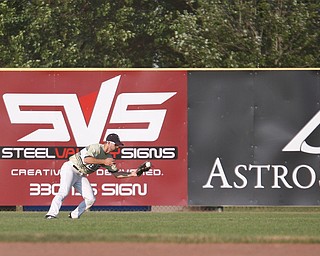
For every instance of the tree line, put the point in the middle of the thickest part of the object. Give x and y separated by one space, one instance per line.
159 33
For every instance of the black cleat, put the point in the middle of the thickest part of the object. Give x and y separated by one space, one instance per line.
48 217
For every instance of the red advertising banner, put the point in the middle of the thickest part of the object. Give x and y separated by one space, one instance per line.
48 115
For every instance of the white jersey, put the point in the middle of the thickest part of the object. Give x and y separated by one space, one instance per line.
94 150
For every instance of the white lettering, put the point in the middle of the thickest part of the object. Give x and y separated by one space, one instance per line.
281 177
83 134
295 176
7 153
217 165
149 153
87 134
151 172
259 173
35 172
155 118
303 176
298 143
47 189
239 175
124 189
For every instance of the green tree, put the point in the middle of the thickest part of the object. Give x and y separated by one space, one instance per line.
249 33
86 33
153 33
38 34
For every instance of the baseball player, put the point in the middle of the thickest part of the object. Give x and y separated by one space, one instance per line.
74 173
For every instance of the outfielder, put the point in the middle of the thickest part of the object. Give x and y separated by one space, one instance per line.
74 173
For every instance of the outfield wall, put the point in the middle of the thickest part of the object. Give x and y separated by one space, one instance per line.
215 137
254 138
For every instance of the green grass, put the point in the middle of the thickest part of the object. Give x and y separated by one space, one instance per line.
245 225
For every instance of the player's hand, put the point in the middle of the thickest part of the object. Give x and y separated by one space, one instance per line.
108 161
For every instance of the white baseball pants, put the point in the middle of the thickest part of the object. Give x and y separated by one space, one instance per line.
70 177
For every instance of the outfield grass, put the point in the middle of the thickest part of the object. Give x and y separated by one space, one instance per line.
248 225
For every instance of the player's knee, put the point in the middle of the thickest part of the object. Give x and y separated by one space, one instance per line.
61 196
90 201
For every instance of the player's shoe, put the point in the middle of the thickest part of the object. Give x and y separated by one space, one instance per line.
48 217
70 216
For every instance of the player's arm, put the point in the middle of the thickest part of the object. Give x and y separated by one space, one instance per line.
137 173
122 175
92 160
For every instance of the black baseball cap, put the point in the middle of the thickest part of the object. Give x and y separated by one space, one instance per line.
114 138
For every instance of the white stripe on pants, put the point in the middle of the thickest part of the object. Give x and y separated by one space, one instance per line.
70 177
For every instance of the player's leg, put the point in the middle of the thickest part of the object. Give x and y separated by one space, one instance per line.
84 188
66 182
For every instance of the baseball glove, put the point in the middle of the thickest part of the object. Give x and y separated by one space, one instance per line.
143 168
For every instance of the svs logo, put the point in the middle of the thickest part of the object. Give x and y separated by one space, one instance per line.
86 134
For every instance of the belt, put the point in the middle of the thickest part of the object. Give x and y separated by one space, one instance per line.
79 172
